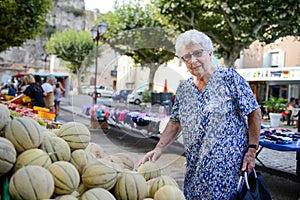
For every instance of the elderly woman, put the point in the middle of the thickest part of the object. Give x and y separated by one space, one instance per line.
33 90
219 118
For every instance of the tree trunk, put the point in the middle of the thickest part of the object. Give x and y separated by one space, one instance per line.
153 68
78 77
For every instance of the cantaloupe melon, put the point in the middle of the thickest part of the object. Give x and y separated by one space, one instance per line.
76 134
126 160
149 170
57 148
66 177
99 174
31 183
4 116
32 157
159 182
130 185
80 157
95 149
24 133
97 194
169 192
66 197
8 155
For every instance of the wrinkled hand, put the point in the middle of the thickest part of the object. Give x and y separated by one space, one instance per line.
151 155
249 160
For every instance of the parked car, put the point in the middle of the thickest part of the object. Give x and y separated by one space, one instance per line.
120 95
135 97
102 91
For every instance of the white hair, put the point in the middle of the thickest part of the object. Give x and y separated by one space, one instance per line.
192 37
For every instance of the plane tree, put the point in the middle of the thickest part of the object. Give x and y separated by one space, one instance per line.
234 25
139 31
73 47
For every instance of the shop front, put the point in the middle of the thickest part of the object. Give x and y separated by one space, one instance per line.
278 82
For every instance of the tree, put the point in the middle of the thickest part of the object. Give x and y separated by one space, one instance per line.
138 30
234 25
22 20
73 47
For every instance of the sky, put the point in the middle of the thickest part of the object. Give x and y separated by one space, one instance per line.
103 5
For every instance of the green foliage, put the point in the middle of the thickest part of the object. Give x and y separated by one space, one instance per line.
75 12
138 30
22 20
234 25
147 96
71 46
275 104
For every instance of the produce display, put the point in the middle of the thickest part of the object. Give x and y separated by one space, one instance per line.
41 163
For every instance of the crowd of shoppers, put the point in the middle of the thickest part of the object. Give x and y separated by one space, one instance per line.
47 94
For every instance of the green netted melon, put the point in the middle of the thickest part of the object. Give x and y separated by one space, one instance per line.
169 192
32 157
57 148
99 174
76 134
130 185
66 177
31 183
8 155
159 182
4 116
24 133
97 194
80 157
149 170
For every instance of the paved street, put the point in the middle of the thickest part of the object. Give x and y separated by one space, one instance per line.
172 162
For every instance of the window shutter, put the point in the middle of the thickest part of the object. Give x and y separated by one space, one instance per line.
281 58
266 60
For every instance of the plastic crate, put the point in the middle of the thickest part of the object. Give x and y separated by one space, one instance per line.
47 115
4 188
37 108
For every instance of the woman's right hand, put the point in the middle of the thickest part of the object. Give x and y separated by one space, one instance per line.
151 155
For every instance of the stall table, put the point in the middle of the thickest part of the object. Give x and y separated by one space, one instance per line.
281 147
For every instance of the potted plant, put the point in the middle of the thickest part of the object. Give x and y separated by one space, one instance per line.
275 107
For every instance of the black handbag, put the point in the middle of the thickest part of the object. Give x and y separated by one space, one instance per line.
252 187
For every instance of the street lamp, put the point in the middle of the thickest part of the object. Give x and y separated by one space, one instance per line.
97 31
44 58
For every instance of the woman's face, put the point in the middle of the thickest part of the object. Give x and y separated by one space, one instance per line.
197 60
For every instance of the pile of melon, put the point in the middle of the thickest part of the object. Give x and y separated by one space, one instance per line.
66 165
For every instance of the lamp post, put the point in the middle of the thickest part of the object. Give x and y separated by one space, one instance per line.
97 31
44 58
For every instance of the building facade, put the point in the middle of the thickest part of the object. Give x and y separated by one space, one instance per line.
272 70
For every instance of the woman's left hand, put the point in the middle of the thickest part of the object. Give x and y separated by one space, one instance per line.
249 160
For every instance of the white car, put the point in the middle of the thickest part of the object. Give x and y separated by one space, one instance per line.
102 91
135 97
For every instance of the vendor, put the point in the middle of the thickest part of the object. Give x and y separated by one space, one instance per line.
48 87
33 90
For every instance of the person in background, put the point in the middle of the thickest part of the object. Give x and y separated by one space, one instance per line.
33 90
48 87
219 119
297 103
290 107
12 91
57 97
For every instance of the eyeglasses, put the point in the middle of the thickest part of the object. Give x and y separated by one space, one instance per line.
188 57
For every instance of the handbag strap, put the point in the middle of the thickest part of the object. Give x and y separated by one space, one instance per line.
245 177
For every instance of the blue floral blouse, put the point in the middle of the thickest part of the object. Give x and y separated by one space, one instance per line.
214 128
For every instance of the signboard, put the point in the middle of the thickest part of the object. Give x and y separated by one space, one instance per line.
270 74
